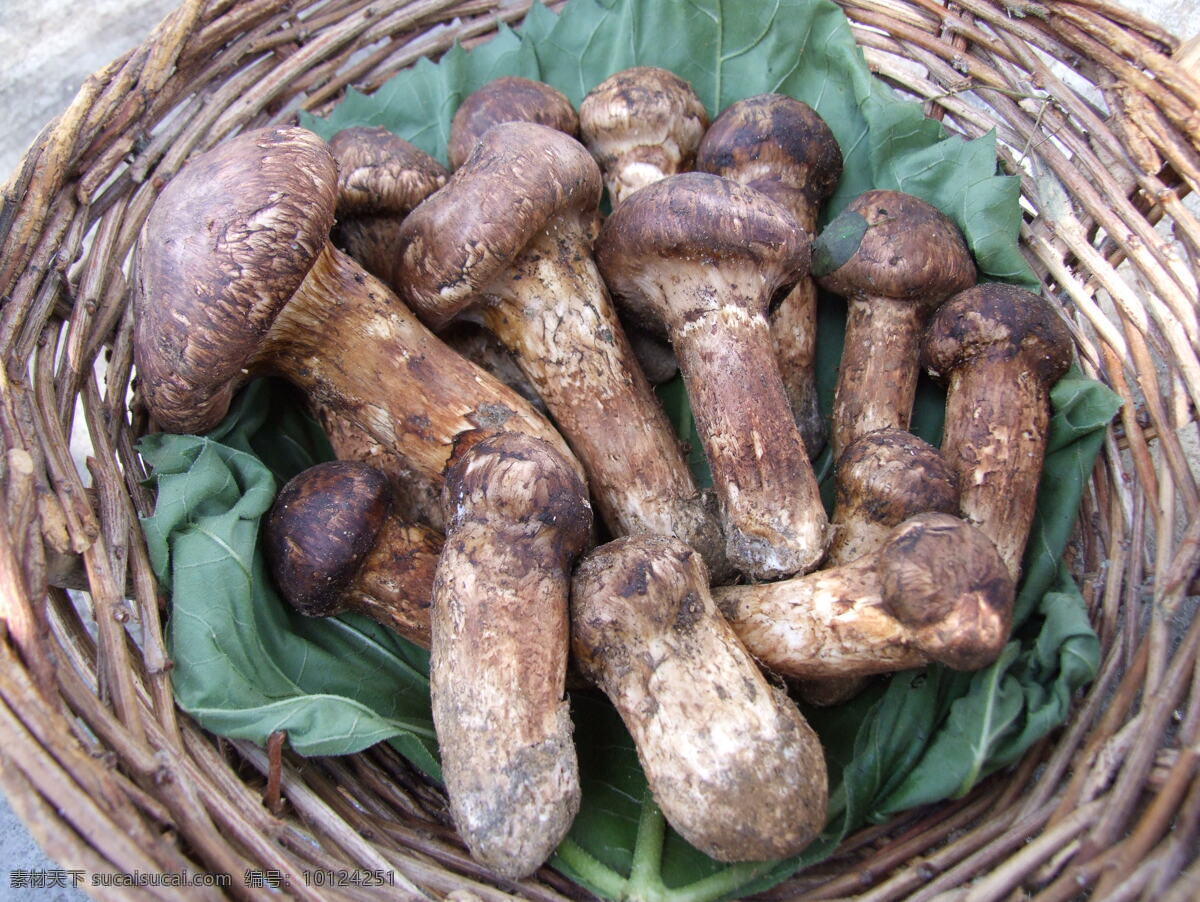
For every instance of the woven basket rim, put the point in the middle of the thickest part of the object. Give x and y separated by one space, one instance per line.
110 777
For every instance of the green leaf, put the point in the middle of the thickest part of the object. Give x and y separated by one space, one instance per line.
838 242
914 738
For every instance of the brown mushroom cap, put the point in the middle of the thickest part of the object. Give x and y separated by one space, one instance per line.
208 245
890 475
507 99
890 244
519 177
379 172
695 220
642 117
777 145
927 567
323 525
998 321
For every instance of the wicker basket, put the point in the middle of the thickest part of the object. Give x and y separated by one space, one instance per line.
109 777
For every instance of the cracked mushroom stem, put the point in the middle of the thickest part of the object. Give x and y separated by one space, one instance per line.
894 258
334 545
882 479
936 590
1000 349
642 124
381 177
698 257
508 99
508 243
781 147
235 278
731 762
517 516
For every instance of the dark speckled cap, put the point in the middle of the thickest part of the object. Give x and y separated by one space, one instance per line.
508 99
379 172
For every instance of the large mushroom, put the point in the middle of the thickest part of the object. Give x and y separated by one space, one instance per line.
508 241
517 516
936 590
894 258
781 147
507 99
731 762
698 257
1000 349
236 277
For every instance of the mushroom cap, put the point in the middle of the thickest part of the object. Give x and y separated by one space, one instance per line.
508 99
891 475
945 579
515 479
379 172
777 145
518 180
699 221
323 525
997 321
890 244
226 245
650 109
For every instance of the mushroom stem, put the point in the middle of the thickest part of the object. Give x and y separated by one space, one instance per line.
877 376
937 590
794 336
395 583
731 762
517 516
344 337
749 453
552 311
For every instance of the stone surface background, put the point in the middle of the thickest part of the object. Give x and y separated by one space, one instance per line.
47 49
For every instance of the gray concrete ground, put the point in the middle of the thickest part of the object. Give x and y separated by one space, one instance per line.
48 47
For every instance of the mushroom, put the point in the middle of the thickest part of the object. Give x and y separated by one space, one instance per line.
507 241
936 590
236 277
507 99
381 177
641 125
333 546
781 147
517 515
1000 349
894 258
699 257
883 478
731 762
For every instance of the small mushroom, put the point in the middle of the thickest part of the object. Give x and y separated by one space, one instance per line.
508 99
936 590
235 277
730 760
508 241
517 516
381 177
642 125
781 147
1000 349
883 478
894 258
698 257
333 545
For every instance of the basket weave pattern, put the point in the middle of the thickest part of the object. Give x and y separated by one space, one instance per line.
109 777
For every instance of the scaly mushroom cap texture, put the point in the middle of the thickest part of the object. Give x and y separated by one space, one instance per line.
517 478
946 581
891 475
997 321
520 177
322 526
775 144
508 99
381 173
210 280
698 221
890 244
